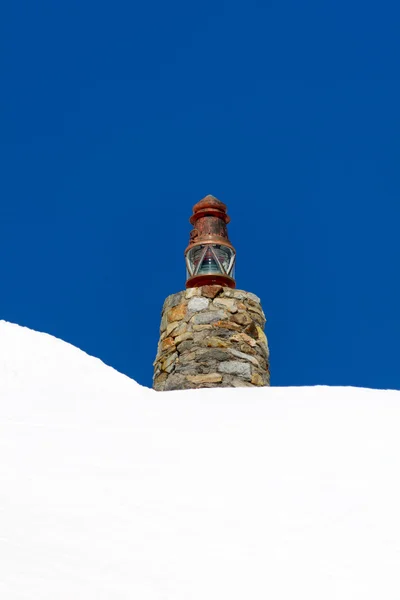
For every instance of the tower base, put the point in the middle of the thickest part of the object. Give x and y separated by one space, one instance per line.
211 336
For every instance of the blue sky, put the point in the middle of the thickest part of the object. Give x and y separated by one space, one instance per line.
116 117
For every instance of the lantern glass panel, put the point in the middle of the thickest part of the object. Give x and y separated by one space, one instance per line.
210 259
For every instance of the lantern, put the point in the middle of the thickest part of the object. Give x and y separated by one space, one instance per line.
210 257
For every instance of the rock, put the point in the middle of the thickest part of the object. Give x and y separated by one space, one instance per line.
164 323
167 344
245 356
241 319
253 297
184 346
227 303
227 325
208 317
177 381
201 327
228 293
173 300
192 292
171 327
169 362
214 354
177 313
187 358
256 379
215 342
158 381
252 331
235 367
182 328
205 378
211 291
197 304
185 336
243 337
261 336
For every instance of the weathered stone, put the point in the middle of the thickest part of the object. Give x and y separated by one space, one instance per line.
228 293
208 317
214 354
169 361
243 337
177 381
185 336
251 330
256 379
192 292
205 378
184 346
173 300
253 297
236 382
198 304
160 379
242 319
164 322
244 356
167 344
211 291
187 358
235 367
201 327
215 342
171 327
261 336
182 328
177 313
227 325
227 303
191 368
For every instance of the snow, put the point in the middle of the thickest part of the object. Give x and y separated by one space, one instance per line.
109 490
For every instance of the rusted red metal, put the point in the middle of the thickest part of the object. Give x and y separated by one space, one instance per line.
210 220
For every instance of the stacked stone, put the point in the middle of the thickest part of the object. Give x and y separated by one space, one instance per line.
211 336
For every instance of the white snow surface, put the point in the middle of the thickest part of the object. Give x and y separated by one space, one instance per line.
109 490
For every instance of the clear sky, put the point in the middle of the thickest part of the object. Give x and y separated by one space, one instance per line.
116 117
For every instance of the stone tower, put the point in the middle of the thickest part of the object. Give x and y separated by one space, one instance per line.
211 334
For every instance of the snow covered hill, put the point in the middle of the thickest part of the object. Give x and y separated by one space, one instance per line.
111 491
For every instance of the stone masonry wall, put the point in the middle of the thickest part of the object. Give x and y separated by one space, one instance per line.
211 337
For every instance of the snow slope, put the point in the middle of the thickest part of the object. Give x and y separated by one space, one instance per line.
109 490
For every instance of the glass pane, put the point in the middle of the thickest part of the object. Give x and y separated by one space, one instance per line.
210 258
209 263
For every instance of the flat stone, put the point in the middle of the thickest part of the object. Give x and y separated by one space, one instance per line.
211 291
185 336
187 358
216 342
244 356
171 327
235 367
192 292
242 319
214 354
227 325
177 381
161 379
229 293
252 297
197 304
243 337
261 336
247 349
167 343
208 317
227 303
252 331
205 378
173 300
185 346
201 327
169 362
256 379
178 313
